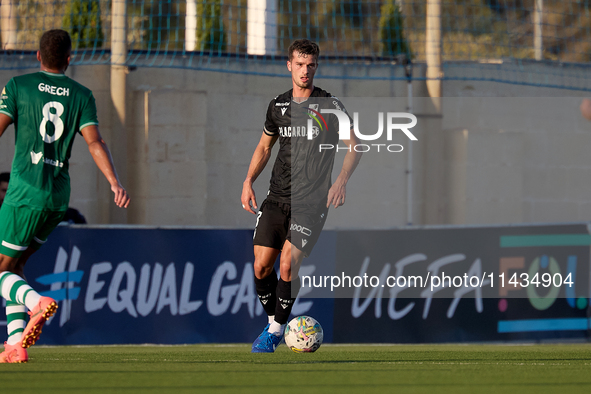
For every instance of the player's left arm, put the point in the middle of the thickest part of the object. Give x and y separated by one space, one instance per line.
5 121
102 157
338 190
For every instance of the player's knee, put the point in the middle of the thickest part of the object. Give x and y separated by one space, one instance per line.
262 269
285 269
289 267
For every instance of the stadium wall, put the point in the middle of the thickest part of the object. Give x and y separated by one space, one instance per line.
500 153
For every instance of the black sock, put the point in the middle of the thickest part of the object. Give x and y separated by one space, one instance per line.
285 299
267 292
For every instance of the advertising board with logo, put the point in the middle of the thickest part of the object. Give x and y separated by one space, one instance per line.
146 285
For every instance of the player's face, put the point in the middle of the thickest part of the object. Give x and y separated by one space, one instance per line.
302 67
3 189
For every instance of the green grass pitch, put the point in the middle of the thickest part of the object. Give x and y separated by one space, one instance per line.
514 369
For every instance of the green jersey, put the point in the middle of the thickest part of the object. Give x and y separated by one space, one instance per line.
48 110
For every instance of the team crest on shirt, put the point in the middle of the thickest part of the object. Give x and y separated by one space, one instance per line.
315 131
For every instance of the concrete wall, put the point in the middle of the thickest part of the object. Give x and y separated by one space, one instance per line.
497 154
518 160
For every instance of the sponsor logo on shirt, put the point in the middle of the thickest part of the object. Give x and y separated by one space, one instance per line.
282 104
36 158
298 131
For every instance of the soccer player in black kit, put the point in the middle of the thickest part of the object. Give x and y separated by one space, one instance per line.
292 216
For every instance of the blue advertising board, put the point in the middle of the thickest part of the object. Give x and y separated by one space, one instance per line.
120 285
166 286
513 296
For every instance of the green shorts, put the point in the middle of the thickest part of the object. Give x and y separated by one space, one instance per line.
23 227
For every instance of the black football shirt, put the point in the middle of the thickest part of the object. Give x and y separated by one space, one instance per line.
302 171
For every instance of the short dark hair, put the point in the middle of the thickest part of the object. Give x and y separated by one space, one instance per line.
55 47
305 47
5 177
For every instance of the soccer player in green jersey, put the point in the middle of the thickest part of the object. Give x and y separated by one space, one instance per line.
47 109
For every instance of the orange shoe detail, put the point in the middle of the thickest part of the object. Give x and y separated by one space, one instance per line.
13 354
39 315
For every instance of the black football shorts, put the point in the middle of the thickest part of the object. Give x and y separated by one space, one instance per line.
277 222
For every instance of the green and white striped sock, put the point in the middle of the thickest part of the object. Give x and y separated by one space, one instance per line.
16 317
14 288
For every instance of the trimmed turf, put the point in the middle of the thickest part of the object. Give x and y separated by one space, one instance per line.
344 369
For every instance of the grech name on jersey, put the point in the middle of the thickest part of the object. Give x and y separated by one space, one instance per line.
56 91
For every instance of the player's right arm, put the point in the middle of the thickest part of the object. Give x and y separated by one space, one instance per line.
102 157
259 160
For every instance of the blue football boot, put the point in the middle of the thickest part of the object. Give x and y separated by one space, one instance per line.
256 341
266 342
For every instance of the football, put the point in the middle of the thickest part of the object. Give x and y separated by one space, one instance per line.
303 334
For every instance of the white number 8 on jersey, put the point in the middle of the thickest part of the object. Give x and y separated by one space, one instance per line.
53 118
